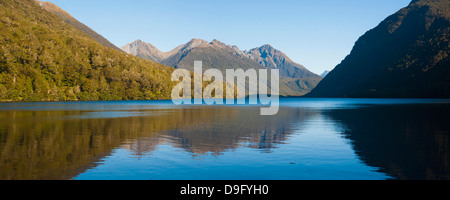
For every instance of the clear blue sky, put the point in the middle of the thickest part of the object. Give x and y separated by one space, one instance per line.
315 33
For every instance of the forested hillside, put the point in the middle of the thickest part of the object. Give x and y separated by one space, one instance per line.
42 58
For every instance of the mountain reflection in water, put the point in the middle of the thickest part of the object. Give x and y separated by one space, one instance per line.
320 139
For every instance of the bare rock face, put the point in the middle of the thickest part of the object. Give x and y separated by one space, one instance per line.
144 50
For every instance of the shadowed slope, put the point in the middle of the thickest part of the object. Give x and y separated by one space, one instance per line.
406 55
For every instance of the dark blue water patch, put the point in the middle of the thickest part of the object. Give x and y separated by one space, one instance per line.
345 103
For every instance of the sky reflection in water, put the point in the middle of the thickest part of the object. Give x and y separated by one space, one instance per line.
309 139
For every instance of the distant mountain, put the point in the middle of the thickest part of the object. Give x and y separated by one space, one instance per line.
405 56
325 73
215 55
272 58
143 50
295 80
66 17
295 76
43 58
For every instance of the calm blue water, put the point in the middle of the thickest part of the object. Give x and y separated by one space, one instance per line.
309 139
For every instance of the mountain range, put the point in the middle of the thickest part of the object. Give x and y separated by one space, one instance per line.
295 79
405 56
48 55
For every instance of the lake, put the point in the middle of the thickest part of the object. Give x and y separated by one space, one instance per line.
309 139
